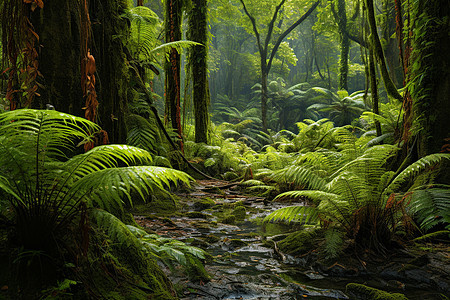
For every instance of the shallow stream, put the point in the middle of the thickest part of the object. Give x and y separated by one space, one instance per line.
243 268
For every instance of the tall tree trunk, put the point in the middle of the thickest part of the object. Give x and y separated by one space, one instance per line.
59 29
198 60
430 70
173 16
341 18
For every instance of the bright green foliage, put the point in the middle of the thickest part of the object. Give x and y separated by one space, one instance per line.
46 185
431 206
300 214
358 198
169 250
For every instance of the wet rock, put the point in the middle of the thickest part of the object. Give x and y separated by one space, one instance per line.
211 238
360 291
197 215
199 243
236 243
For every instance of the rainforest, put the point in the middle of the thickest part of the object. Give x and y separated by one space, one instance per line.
225 149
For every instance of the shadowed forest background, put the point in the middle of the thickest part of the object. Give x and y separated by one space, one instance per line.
113 111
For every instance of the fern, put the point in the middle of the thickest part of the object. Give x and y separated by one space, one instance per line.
414 169
142 133
169 250
298 214
431 207
334 241
46 185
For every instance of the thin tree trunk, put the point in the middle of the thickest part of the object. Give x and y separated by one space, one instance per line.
379 54
174 14
374 89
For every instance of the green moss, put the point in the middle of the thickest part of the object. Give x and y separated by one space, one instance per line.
239 212
204 203
298 243
360 291
211 238
237 243
195 270
229 220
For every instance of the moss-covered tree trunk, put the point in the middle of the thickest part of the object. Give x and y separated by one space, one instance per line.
431 72
341 18
379 53
113 75
173 16
198 31
58 25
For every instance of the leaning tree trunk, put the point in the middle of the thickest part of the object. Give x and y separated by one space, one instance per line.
379 54
173 15
198 32
264 75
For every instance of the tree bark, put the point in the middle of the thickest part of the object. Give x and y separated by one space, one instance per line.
431 71
173 15
198 60
379 54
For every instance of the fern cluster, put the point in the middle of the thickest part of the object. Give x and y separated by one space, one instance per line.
46 183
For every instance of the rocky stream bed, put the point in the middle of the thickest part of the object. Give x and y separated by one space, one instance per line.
246 262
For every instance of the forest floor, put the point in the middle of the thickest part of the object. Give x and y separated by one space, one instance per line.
247 264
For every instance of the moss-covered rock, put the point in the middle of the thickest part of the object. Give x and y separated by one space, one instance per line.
298 243
203 204
211 238
237 243
229 220
361 291
239 212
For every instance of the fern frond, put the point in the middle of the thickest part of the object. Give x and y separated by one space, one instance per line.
333 243
414 169
299 214
142 132
107 185
431 207
315 196
300 176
